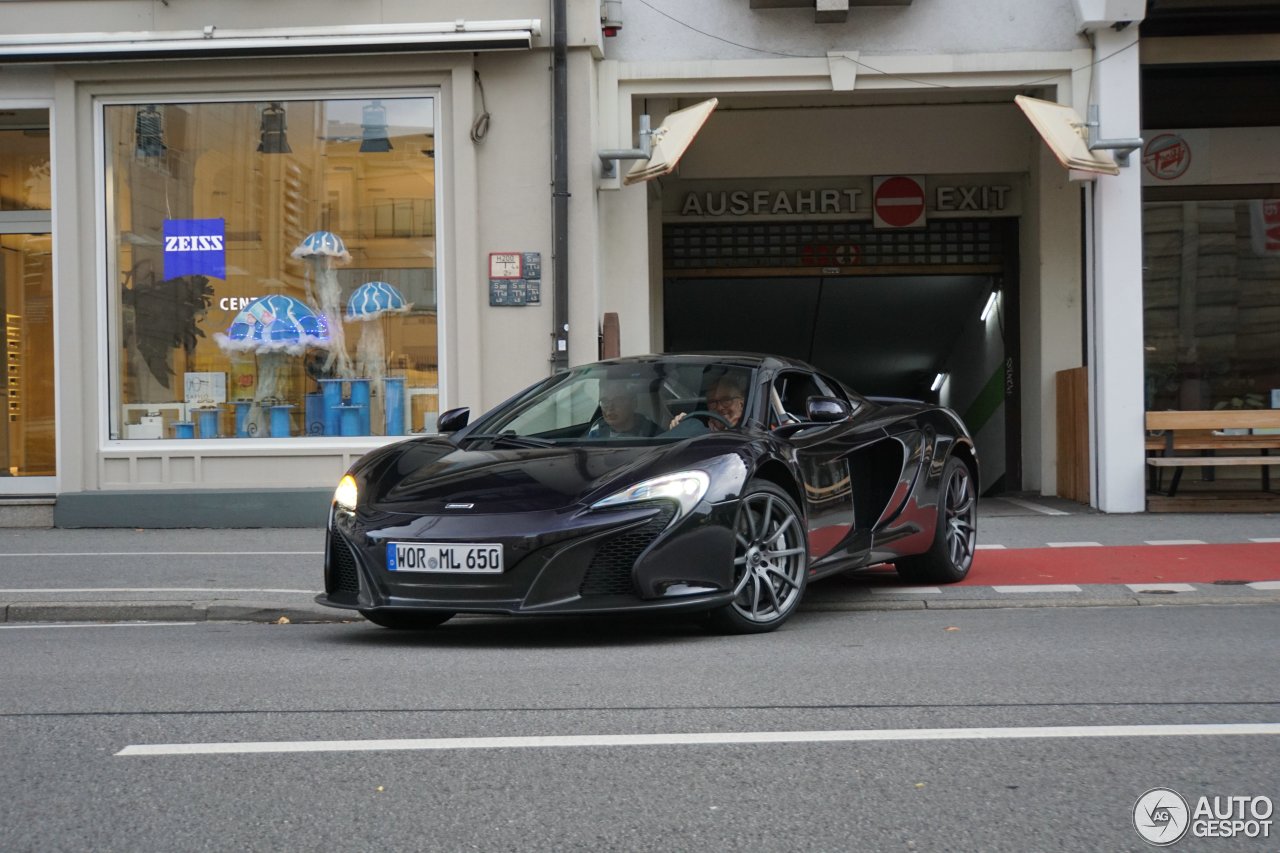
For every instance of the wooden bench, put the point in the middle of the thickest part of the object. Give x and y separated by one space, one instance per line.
1200 433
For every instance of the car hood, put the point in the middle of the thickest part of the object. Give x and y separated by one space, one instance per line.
423 476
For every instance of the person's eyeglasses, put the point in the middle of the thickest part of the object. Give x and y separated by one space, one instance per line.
721 401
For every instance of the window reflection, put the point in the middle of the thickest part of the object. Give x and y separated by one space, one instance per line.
273 271
1211 292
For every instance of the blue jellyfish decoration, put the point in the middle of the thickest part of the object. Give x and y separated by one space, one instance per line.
369 302
373 299
322 250
273 328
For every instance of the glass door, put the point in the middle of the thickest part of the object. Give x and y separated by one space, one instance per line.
28 447
28 437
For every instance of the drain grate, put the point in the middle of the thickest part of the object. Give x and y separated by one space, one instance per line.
1230 583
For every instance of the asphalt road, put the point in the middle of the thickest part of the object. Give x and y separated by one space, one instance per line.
74 697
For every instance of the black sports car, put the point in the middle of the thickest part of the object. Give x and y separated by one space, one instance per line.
722 483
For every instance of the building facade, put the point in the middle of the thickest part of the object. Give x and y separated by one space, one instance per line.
246 244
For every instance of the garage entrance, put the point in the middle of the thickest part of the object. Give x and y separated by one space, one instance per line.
888 313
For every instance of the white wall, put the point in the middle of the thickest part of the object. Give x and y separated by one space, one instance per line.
925 26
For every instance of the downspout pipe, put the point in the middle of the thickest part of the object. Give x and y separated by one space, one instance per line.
560 188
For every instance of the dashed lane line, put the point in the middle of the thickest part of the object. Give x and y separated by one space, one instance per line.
1074 544
701 739
1176 542
1039 587
1161 587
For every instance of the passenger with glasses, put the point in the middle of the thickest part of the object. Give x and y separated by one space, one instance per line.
726 397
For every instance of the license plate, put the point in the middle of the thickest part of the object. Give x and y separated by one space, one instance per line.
444 557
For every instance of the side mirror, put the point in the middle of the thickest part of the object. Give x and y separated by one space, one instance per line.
453 420
826 410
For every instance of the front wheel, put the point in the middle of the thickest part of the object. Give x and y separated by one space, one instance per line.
951 553
407 620
770 562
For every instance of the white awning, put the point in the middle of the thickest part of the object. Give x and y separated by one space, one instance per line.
458 35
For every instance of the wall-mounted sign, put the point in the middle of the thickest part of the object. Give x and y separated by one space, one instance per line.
1265 222
195 247
505 264
515 278
1166 157
898 201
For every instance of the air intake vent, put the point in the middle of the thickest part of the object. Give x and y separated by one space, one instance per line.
343 576
610 569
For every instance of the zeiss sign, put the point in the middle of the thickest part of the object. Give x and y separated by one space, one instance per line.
195 247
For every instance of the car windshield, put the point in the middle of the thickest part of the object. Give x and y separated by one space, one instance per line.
640 402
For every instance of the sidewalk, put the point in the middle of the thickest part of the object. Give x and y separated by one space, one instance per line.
1033 552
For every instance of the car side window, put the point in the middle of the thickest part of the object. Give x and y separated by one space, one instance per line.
790 396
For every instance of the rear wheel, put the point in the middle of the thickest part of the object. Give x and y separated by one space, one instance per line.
407 620
770 562
951 554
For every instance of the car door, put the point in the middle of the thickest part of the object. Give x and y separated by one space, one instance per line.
823 455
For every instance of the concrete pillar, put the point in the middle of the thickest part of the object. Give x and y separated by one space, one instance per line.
1115 292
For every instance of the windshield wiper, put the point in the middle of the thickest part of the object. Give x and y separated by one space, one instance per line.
512 439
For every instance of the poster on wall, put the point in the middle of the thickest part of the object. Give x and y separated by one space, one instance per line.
195 247
1264 218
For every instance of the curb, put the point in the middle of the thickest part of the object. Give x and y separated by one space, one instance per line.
266 612
164 611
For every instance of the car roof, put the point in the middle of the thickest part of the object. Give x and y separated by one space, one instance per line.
738 359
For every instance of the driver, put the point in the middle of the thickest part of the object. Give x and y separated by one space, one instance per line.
618 415
726 396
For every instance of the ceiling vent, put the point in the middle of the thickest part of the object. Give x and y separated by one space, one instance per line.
825 11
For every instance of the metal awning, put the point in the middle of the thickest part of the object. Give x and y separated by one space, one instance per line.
460 35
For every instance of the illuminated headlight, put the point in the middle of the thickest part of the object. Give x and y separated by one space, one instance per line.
685 488
345 495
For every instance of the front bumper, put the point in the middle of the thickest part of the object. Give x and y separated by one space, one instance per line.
556 562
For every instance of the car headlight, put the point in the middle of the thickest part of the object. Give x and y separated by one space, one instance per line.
345 495
685 488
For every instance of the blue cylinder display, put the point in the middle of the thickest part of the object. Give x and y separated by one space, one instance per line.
314 412
393 405
350 420
184 429
207 419
332 391
242 417
280 420
360 397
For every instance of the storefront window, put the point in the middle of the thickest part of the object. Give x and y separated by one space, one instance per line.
273 268
1211 293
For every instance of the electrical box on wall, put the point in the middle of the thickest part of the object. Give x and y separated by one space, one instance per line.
1094 14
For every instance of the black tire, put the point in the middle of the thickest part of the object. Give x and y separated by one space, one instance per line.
951 554
771 562
407 620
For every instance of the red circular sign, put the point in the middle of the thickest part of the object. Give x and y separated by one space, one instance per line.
1167 157
899 202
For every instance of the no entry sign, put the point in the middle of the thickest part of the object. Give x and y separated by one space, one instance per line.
898 202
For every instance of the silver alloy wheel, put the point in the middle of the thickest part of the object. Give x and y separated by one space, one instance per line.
769 560
960 508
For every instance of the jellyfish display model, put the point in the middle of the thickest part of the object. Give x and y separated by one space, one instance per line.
368 304
273 328
322 251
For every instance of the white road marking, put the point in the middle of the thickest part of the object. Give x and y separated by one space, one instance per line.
1176 542
1172 587
1266 539
1074 544
1040 587
161 553
158 589
1265 585
908 590
101 625
698 739
989 547
1035 507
